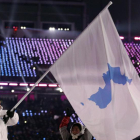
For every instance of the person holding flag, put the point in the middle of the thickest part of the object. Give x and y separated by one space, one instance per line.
100 81
10 119
77 131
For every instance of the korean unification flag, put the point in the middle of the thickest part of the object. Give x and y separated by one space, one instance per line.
100 81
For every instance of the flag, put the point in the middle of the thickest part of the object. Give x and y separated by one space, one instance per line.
100 81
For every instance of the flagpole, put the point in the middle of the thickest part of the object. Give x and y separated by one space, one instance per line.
110 3
19 102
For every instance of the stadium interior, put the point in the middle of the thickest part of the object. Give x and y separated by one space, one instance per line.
33 35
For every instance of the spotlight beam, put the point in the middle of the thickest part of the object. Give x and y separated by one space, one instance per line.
13 11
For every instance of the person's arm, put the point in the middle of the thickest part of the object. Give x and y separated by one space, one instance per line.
13 116
63 128
10 118
2 113
87 135
14 120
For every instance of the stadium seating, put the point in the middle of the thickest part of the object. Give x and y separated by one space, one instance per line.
133 50
19 55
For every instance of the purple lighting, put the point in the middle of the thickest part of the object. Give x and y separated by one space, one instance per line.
13 84
22 54
42 85
136 38
23 84
31 85
3 84
36 50
133 53
122 37
52 85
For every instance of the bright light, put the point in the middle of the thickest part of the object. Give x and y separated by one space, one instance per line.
121 37
59 89
22 27
42 85
65 29
52 29
23 84
138 63
137 38
1 87
34 68
31 85
3 84
52 85
61 28
68 29
12 91
25 121
13 84
28 89
56 117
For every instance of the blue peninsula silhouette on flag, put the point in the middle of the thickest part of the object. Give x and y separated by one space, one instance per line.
103 97
100 81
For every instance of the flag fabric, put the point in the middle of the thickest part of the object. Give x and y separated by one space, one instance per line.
100 81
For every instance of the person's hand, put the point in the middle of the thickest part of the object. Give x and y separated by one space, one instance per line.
10 114
68 112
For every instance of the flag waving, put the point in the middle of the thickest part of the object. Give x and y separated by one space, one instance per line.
100 81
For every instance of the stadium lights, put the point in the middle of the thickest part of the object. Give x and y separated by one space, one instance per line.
12 91
13 84
32 85
23 84
42 85
65 29
28 89
122 37
3 84
34 68
23 27
52 85
52 29
59 89
136 38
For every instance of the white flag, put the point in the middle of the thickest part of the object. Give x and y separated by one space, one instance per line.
100 81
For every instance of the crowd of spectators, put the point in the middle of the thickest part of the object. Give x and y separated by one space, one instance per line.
39 118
